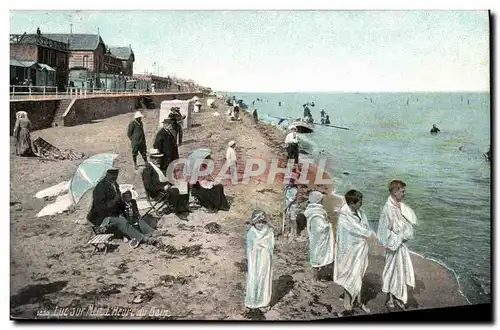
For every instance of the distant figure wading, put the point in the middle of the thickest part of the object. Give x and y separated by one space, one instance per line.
435 130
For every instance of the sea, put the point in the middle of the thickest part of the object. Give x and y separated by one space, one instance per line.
447 175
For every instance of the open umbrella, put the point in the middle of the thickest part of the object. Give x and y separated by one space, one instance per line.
197 154
88 174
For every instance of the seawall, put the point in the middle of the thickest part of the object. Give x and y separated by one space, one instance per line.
86 110
42 113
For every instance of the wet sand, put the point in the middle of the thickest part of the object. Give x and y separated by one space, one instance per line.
202 274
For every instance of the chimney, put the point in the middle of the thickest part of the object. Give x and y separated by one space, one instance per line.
71 29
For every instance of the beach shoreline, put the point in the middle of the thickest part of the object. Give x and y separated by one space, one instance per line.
205 277
338 200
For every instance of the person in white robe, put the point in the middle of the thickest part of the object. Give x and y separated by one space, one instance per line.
395 228
320 234
231 161
351 249
259 254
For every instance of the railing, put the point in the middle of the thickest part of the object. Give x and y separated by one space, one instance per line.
47 92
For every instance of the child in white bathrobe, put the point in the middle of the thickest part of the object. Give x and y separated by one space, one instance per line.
259 256
351 249
395 228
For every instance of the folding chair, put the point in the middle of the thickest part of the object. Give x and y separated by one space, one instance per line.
158 204
101 240
184 192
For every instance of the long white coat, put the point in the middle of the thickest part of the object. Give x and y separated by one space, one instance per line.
351 250
395 225
320 236
259 253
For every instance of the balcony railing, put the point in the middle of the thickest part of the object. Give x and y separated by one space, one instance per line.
50 92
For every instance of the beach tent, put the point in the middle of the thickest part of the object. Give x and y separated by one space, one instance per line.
186 107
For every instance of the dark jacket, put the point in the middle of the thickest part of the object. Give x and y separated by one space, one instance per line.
166 143
151 182
103 204
177 126
135 133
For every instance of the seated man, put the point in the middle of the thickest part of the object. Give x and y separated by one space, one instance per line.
210 194
105 210
158 188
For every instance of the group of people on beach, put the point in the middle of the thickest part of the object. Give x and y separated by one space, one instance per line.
233 112
112 209
347 250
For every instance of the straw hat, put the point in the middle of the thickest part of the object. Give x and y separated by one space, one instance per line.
138 114
155 153
231 143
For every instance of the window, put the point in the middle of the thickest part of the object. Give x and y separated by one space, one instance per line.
51 58
85 61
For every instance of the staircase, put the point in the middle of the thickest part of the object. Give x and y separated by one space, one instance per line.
64 105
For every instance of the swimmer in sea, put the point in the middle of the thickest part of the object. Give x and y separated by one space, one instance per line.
435 130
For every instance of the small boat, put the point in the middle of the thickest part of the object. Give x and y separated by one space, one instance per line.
303 127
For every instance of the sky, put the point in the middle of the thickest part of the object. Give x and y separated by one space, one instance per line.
293 51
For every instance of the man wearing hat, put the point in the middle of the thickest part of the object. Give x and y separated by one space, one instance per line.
166 143
137 138
158 188
175 114
292 144
106 209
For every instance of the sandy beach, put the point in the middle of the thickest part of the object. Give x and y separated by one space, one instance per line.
202 274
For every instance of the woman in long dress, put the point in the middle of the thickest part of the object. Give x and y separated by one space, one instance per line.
208 191
22 134
259 255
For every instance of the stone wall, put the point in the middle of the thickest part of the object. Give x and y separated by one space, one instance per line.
95 108
40 112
